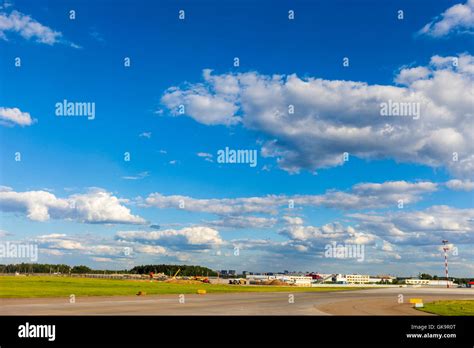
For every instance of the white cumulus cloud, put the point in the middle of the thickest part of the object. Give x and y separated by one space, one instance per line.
196 236
425 227
458 18
360 196
332 117
14 116
29 28
460 185
95 206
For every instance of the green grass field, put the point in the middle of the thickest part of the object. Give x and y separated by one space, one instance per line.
32 286
451 307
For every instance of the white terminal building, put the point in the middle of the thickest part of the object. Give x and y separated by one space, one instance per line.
429 282
358 279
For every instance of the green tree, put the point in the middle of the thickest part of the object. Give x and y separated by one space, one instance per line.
81 269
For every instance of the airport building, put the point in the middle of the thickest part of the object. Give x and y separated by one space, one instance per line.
430 282
358 278
349 279
417 281
336 278
381 279
300 280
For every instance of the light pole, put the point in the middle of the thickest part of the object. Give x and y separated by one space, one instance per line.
446 248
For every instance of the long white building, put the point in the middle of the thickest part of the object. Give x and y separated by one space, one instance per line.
349 278
430 282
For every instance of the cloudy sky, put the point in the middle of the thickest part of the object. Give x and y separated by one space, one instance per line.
142 181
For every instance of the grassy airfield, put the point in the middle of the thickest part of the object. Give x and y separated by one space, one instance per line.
45 286
452 307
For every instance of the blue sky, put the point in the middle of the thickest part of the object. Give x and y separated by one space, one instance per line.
75 196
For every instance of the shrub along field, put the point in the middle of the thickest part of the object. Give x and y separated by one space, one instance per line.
54 286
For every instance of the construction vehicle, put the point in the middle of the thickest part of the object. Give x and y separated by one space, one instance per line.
238 281
179 270
201 279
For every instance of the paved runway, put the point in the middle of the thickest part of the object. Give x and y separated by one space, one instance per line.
360 302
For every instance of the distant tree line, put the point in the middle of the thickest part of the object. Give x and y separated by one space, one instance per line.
51 268
35 268
172 269
81 269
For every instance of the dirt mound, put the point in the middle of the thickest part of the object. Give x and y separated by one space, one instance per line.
182 281
275 282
